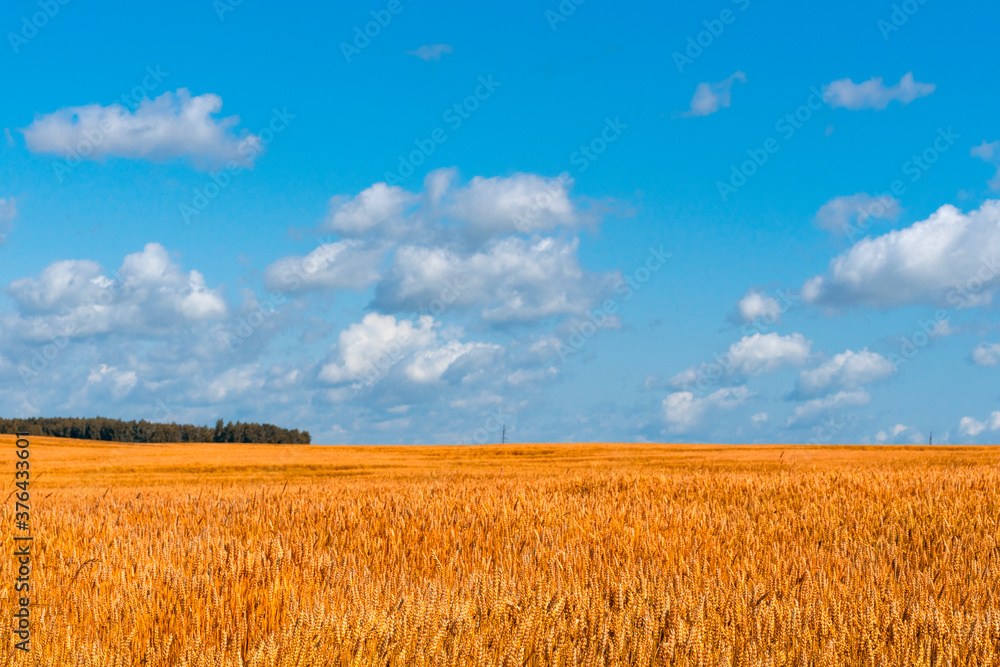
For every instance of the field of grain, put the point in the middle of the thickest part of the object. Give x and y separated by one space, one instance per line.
250 555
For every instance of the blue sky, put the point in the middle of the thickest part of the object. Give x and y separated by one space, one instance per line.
725 221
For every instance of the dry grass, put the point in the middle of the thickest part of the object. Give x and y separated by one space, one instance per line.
573 555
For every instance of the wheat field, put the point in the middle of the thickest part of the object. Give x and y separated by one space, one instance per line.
250 555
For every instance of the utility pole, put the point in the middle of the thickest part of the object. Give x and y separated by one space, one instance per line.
503 437
931 441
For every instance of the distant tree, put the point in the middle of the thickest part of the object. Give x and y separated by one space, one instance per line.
100 428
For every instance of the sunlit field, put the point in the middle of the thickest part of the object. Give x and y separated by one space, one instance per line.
257 555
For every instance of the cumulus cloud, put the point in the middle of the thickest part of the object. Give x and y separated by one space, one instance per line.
987 151
766 353
972 427
380 208
710 97
172 126
817 407
74 298
751 355
377 342
475 245
338 265
849 215
522 203
370 350
756 304
683 411
874 94
162 332
986 354
475 211
847 370
431 51
510 280
950 258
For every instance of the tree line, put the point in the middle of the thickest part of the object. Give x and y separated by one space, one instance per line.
100 428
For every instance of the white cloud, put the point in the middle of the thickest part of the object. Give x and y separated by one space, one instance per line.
379 208
847 370
74 298
522 203
430 51
751 355
972 427
511 280
710 97
986 151
374 345
821 406
431 364
950 258
842 215
683 411
172 126
480 209
455 245
766 353
368 351
986 354
760 419
165 333
338 265
757 304
873 94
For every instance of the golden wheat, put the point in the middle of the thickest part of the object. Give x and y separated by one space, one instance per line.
727 557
